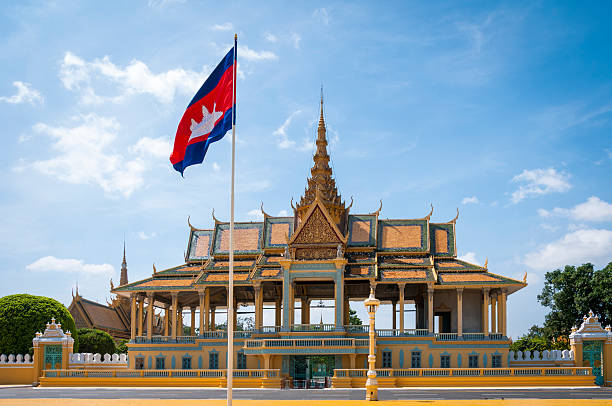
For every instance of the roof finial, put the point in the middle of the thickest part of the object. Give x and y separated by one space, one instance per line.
321 119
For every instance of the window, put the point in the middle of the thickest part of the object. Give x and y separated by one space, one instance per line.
241 361
496 361
160 363
444 361
139 363
416 359
186 362
386 359
213 360
473 361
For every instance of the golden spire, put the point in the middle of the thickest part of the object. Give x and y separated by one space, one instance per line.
321 180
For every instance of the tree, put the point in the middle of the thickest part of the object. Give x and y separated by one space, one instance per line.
538 339
22 316
570 294
95 341
354 320
122 347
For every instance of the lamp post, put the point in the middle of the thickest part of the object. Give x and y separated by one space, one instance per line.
371 303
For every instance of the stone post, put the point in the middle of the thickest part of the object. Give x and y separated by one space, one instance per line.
459 312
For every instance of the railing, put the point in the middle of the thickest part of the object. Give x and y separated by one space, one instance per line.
306 342
161 373
473 336
448 372
217 334
313 327
353 328
446 336
411 332
269 329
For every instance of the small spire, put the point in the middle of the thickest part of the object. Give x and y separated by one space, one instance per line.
123 280
321 119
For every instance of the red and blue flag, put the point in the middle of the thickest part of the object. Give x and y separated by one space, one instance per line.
208 117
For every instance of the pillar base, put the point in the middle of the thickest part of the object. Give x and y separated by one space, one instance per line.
372 386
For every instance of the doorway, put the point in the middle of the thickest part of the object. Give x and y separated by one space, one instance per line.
312 371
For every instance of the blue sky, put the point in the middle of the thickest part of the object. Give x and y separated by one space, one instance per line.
503 110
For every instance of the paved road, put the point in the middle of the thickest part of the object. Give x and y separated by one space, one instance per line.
296 394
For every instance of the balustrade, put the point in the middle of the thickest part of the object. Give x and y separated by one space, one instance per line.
160 373
449 372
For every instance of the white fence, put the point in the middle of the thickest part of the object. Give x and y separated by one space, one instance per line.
16 359
545 356
89 358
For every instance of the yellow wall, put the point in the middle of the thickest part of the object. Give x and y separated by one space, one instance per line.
16 374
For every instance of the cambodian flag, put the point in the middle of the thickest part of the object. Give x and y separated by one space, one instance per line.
208 117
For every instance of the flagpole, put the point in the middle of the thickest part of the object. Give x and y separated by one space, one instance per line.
230 295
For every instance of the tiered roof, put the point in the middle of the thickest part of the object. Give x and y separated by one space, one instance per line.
322 230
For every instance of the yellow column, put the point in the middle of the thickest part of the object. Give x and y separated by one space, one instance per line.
150 312
485 311
504 314
459 312
352 360
140 313
203 312
193 326
166 320
257 289
173 311
133 316
494 320
347 310
277 310
303 319
207 309
179 323
430 311
402 287
291 303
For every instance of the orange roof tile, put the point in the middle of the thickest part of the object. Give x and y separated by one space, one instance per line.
202 246
166 282
245 239
412 274
468 277
360 231
441 238
408 236
278 232
225 277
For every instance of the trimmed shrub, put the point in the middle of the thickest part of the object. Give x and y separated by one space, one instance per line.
95 341
22 316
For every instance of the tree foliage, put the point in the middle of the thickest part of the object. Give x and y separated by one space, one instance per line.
354 320
537 339
22 316
122 347
570 294
95 341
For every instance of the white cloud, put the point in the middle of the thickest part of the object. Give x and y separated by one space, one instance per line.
144 236
79 75
159 4
295 38
594 209
470 200
575 248
281 132
256 214
549 227
322 14
216 167
270 37
470 257
252 55
85 154
539 182
222 27
25 94
156 147
69 265
283 213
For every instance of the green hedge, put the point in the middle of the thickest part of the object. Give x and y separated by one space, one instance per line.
22 316
95 341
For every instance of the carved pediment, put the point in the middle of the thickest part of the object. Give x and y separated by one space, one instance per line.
317 229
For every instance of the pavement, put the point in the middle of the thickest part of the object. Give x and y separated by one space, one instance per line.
12 395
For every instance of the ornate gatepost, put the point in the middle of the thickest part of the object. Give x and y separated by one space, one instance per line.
52 349
592 347
371 303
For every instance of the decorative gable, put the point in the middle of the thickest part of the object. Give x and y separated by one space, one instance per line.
317 229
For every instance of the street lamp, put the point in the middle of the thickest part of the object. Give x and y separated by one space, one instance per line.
371 303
